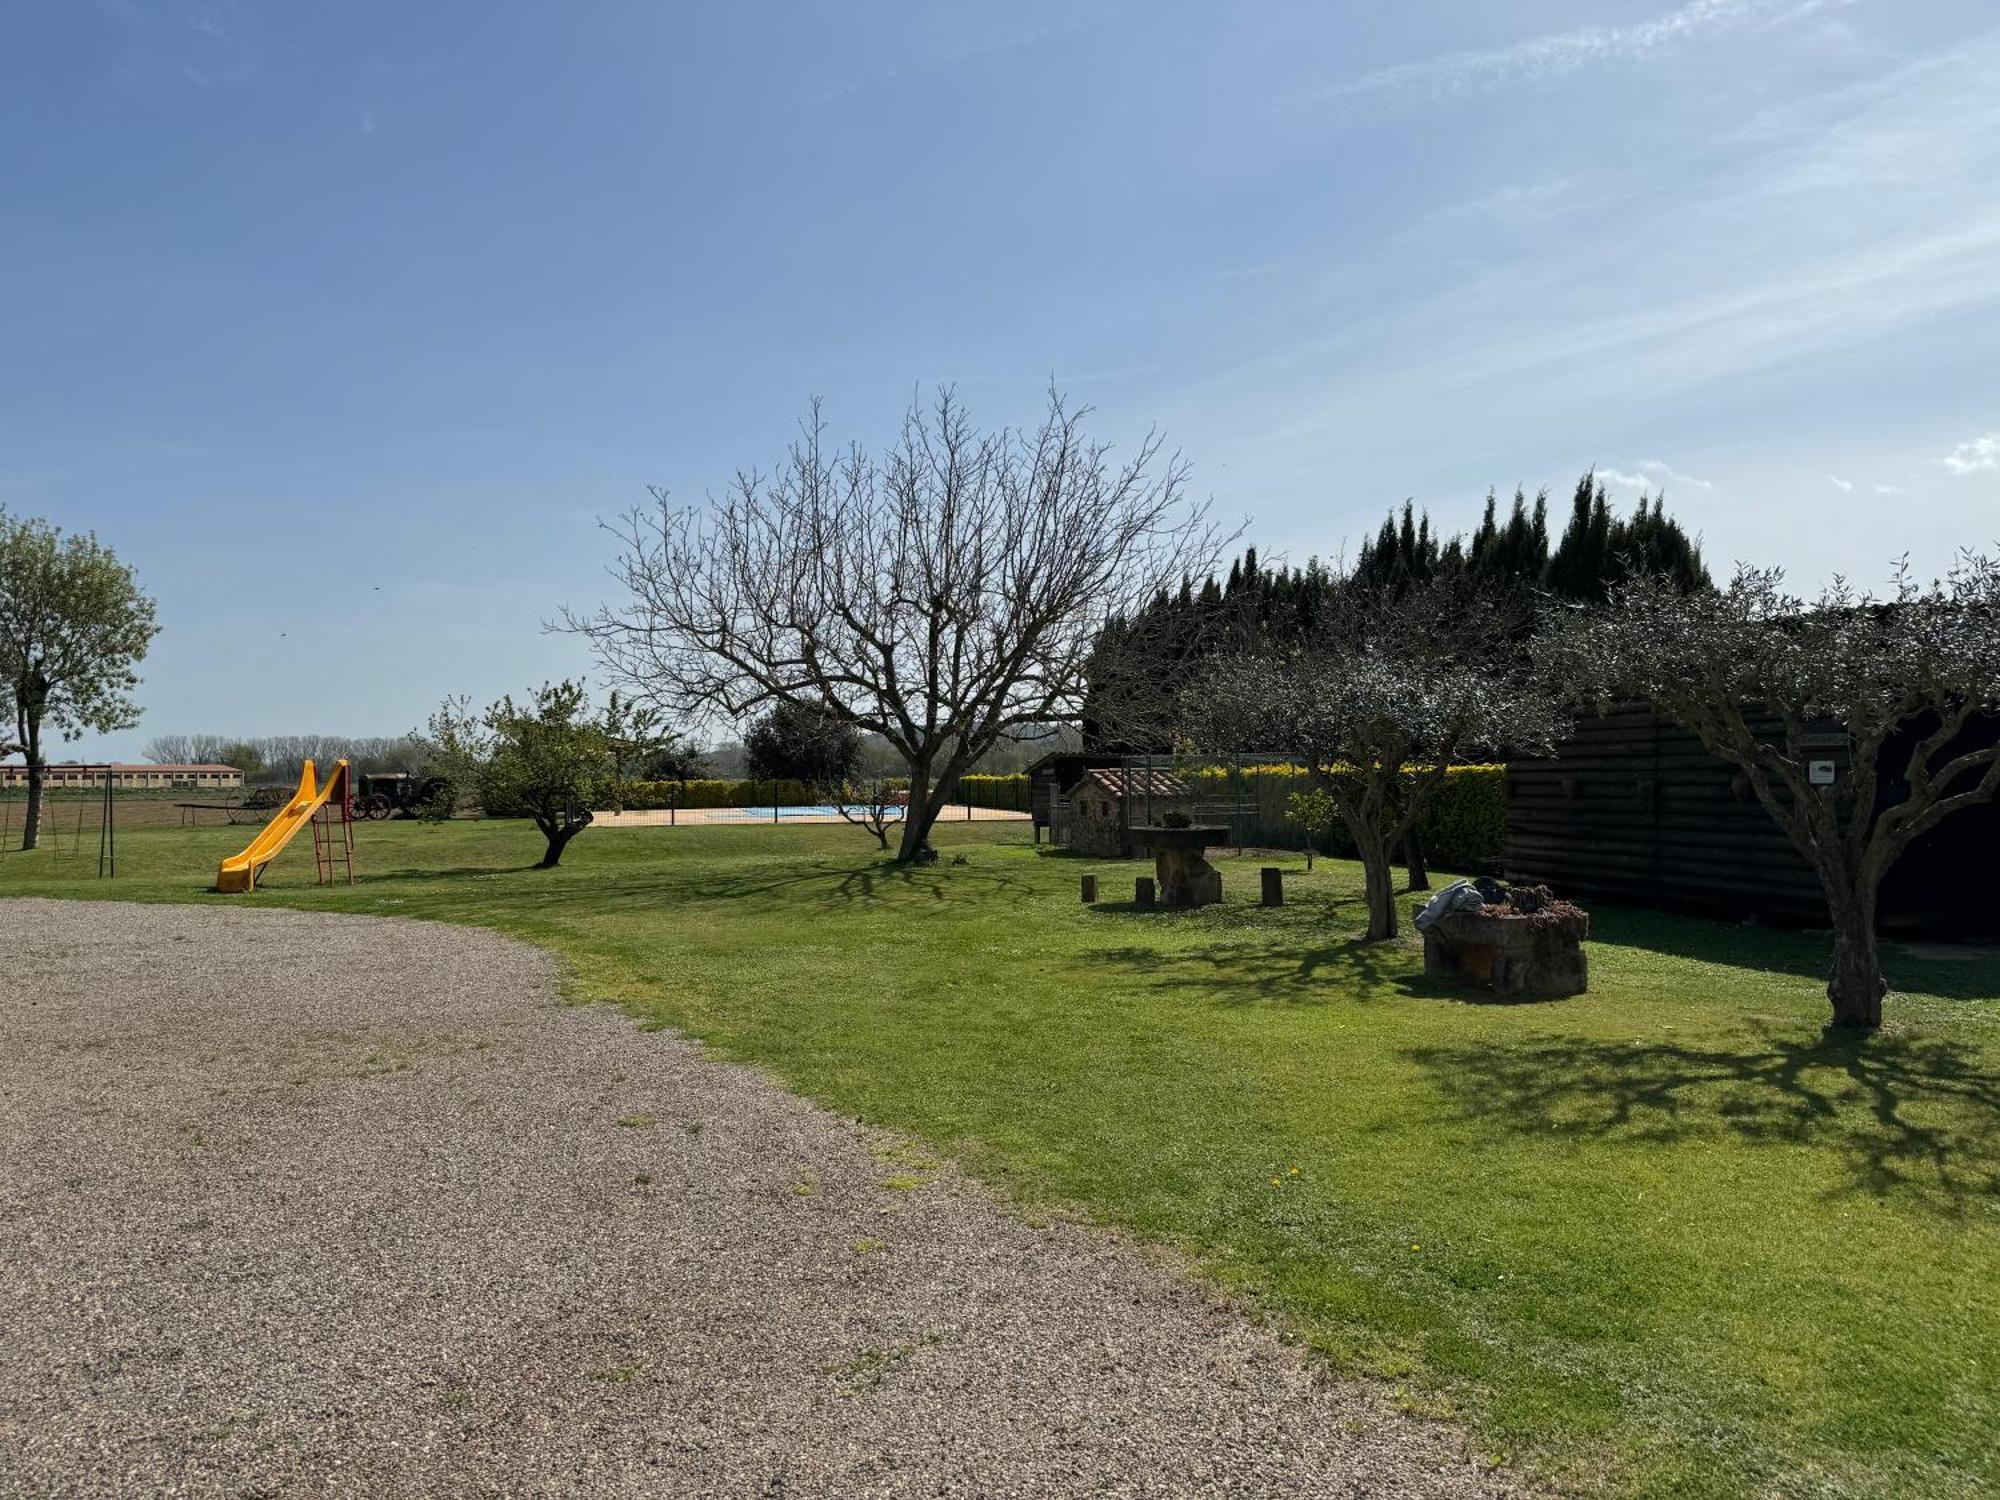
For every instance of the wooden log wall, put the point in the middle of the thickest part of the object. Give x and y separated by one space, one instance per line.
1631 809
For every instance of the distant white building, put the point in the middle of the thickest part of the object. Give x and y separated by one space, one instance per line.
206 777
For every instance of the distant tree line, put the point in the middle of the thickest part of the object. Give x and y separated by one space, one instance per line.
795 742
283 756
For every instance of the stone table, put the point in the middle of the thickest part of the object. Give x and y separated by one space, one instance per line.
1185 875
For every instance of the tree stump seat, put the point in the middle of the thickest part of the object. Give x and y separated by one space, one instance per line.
1520 955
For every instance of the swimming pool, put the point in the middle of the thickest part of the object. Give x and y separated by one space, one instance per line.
808 810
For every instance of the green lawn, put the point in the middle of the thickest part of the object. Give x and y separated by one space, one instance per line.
1662 1239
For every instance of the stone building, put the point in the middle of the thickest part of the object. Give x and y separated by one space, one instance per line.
1099 815
203 777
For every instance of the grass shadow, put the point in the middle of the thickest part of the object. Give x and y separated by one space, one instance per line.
837 884
451 872
1801 953
1909 1116
1290 955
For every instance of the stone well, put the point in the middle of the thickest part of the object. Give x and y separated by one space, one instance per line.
1522 955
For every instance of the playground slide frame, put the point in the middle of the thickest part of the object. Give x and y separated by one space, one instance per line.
238 873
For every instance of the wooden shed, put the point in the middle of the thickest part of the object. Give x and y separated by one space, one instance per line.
1631 809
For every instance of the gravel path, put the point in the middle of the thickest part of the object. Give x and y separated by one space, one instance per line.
294 1204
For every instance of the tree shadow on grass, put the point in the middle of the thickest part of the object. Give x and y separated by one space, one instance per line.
1295 955
1804 954
1250 973
1913 1117
450 872
840 884
821 885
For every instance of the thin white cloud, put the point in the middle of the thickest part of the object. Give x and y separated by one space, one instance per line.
1651 476
1925 250
1838 483
1561 53
1619 479
1980 456
1663 472
1890 489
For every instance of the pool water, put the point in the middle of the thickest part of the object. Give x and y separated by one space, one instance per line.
812 810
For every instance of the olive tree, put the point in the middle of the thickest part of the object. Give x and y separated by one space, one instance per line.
940 595
1378 703
547 759
73 628
1853 719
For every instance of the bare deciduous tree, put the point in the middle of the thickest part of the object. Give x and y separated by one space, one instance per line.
940 596
169 750
283 756
1378 704
1770 682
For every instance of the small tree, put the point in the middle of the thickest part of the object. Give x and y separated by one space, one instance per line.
802 742
641 744
1313 810
875 804
1387 697
941 596
73 629
1772 683
547 759
243 755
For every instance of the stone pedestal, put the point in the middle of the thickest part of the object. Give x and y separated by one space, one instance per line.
1538 956
1180 864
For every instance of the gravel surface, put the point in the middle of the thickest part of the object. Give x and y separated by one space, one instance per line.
295 1204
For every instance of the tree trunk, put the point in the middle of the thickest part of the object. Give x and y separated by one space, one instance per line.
1378 880
558 835
1856 987
31 826
1413 857
918 815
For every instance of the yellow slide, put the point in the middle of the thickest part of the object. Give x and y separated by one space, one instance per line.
239 872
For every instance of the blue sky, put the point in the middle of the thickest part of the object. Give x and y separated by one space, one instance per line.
344 322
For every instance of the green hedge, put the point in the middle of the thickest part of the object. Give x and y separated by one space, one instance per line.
1003 791
1466 823
1462 827
640 796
